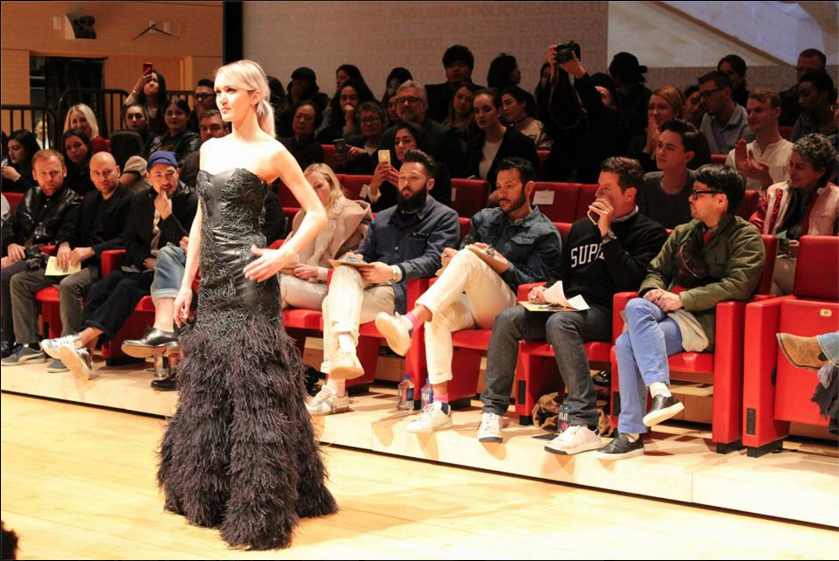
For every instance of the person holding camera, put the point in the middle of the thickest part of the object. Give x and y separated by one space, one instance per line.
606 252
47 215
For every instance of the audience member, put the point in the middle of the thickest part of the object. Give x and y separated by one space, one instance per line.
75 146
362 158
694 106
302 145
725 122
304 284
519 108
211 125
343 124
150 92
716 257
17 167
459 63
81 117
303 87
178 139
47 215
816 97
665 195
383 192
494 141
461 117
633 96
470 292
203 99
503 72
765 160
734 67
137 120
101 220
809 60
403 243
398 75
805 204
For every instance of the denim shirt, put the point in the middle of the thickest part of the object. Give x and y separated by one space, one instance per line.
412 241
532 245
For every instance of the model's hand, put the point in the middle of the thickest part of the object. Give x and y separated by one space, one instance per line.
182 304
268 264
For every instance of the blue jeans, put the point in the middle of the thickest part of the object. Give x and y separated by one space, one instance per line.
168 273
642 359
829 343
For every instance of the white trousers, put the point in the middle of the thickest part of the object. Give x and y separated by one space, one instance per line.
468 293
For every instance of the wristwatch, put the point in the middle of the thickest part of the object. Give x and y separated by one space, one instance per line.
396 273
610 235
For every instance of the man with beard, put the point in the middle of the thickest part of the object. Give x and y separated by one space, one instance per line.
470 292
607 252
403 243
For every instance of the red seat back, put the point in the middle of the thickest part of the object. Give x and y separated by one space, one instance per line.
14 200
353 184
817 269
469 196
465 226
748 205
564 228
557 201
719 158
587 195
329 155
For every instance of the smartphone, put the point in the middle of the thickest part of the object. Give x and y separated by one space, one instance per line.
384 156
340 146
147 68
593 216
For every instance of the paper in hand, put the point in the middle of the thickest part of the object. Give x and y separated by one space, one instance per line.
556 295
54 271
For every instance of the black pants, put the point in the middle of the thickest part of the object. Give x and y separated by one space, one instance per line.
112 299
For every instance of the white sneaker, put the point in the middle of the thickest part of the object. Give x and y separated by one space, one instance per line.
327 402
490 430
397 330
432 418
573 440
53 346
346 366
79 362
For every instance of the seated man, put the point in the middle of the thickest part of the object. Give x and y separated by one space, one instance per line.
607 252
515 233
806 204
665 194
717 256
101 221
403 243
724 122
159 217
47 215
765 160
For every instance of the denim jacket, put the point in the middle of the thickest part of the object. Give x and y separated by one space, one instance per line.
413 241
532 245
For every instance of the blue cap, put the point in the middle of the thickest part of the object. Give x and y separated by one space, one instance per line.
162 157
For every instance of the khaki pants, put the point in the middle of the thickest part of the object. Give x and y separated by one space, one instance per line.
298 293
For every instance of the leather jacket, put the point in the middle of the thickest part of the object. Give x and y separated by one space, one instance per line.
40 220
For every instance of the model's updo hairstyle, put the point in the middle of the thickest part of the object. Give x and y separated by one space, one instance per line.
249 76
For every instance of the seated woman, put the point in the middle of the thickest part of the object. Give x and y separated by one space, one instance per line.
302 145
666 103
150 92
503 72
136 119
461 117
77 153
495 141
806 204
382 192
363 158
305 287
343 107
518 109
178 138
17 172
81 117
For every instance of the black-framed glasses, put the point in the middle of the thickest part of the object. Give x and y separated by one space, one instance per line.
408 99
695 194
709 93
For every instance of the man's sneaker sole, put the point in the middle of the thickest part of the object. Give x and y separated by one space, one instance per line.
75 364
490 439
346 372
571 451
612 457
652 419
384 324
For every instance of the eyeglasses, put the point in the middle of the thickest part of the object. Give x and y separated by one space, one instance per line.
203 96
410 100
134 117
709 93
695 194
369 120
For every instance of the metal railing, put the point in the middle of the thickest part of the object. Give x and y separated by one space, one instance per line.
14 117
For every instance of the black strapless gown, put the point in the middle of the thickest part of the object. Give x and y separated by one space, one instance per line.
240 452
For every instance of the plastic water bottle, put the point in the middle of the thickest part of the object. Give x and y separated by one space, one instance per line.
562 417
405 391
427 394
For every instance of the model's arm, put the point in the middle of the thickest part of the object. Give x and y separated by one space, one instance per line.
270 261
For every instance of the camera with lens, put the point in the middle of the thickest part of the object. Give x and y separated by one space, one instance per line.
564 50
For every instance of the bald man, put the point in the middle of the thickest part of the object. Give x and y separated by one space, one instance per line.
103 215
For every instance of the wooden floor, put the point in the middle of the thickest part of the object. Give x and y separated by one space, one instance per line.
78 483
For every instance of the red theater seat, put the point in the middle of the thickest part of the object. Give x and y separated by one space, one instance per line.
329 156
587 195
557 201
13 200
775 393
469 196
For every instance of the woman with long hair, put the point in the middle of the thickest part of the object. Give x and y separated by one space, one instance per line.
75 146
81 117
178 138
17 165
150 92
239 453
461 118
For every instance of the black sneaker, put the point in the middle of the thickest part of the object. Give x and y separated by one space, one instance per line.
663 408
621 448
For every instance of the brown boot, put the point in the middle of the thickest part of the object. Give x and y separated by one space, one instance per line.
802 352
